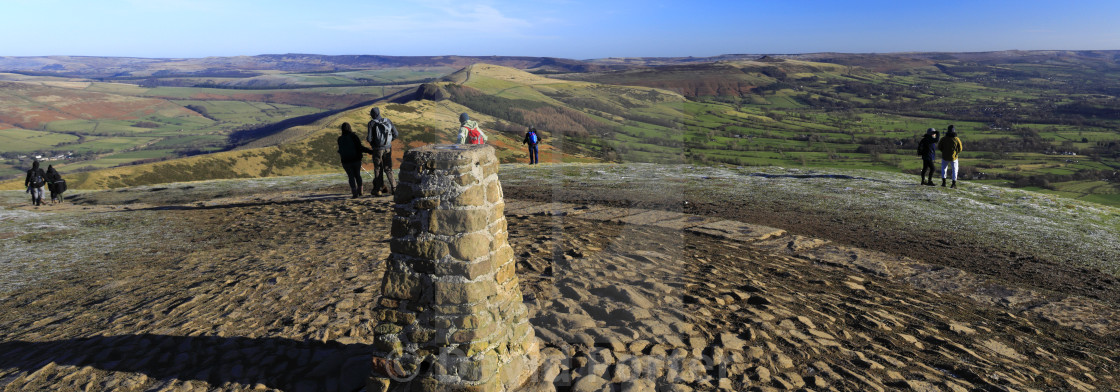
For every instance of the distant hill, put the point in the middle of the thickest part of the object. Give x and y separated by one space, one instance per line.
248 66
1095 56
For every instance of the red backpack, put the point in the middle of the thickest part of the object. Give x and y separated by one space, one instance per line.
474 136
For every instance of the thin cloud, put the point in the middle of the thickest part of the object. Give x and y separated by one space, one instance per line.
176 5
438 17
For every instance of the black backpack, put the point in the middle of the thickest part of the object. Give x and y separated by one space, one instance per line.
379 133
37 179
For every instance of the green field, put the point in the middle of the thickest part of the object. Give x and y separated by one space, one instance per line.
14 139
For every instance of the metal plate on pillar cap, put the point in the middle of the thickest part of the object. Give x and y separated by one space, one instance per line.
450 147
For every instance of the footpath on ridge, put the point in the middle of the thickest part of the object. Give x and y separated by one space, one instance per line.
277 291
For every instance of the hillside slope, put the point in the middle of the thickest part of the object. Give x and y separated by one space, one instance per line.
577 119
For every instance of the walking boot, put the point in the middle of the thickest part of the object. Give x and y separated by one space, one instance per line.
954 184
942 182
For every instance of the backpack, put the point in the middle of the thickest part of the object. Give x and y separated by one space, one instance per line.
533 138
57 186
474 136
379 133
37 179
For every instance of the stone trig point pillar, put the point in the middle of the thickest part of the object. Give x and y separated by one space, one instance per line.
451 317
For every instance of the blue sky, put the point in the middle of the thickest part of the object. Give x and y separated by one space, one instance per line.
579 29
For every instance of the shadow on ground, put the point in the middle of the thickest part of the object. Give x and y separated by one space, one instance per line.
278 363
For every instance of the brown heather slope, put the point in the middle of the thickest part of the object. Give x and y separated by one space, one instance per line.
29 105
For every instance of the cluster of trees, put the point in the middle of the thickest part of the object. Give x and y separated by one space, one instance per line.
1046 180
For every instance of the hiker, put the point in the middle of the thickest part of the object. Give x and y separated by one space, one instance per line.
34 183
927 148
55 184
950 147
380 133
350 151
469 132
531 138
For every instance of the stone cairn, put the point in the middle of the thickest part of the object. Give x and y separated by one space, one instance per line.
451 316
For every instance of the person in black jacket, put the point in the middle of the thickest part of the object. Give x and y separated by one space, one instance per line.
34 183
55 184
927 148
350 151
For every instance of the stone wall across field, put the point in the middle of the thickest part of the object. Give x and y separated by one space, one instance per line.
451 315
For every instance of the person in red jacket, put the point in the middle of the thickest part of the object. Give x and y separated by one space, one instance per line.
469 131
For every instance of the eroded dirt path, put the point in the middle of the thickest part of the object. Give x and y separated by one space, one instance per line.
277 294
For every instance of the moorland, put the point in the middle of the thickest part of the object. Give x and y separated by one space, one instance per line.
1040 120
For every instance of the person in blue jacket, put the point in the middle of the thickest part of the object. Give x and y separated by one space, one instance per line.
532 138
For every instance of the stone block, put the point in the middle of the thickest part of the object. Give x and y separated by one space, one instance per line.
452 222
421 335
470 246
477 370
472 196
463 336
501 256
426 204
389 344
477 320
395 316
461 293
467 179
499 242
427 249
489 170
400 283
493 192
506 272
497 212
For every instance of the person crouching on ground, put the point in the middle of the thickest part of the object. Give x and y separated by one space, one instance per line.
950 147
927 148
350 151
34 183
532 138
380 133
469 132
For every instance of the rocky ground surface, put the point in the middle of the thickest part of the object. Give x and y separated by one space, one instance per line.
276 291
